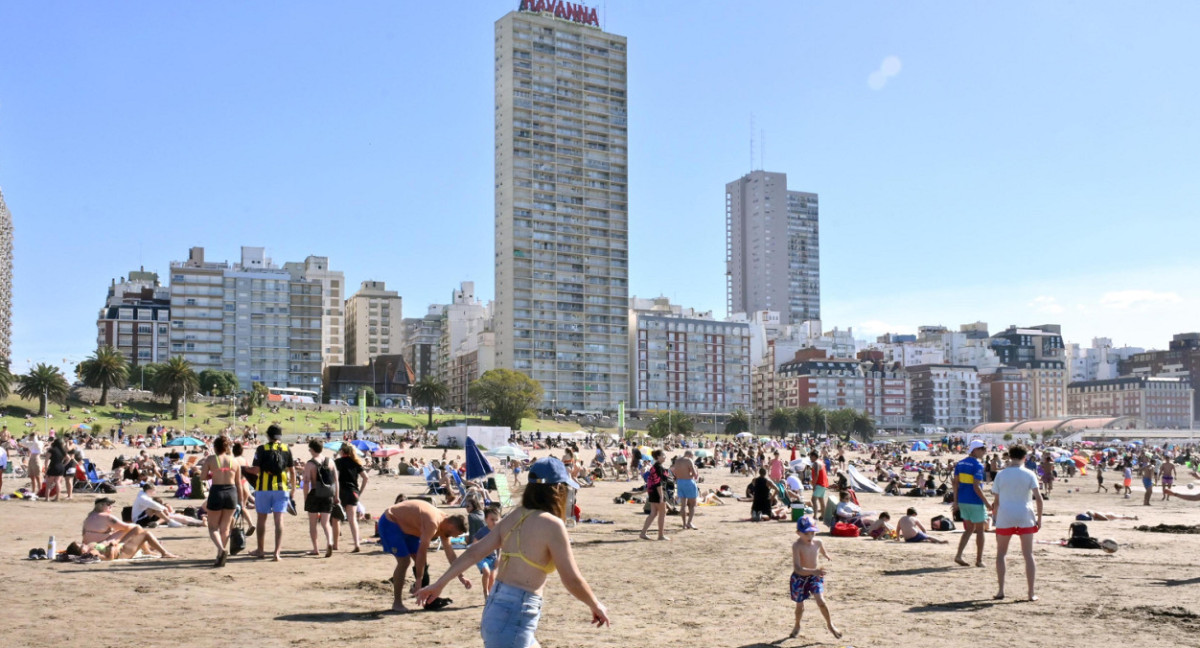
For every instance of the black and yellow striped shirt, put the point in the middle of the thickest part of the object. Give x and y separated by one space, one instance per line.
271 481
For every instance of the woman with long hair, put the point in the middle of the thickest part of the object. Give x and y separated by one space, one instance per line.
656 495
56 468
320 492
224 495
533 543
352 481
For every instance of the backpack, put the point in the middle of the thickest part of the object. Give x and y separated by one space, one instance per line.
322 487
1080 539
941 523
271 458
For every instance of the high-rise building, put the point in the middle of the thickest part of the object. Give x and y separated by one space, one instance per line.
1037 352
198 310
6 257
316 268
945 396
373 323
772 248
561 312
421 338
136 318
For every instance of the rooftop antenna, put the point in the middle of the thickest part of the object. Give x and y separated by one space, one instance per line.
762 149
751 141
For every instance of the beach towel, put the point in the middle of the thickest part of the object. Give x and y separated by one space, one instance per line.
502 490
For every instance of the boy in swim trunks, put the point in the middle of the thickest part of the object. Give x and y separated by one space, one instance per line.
808 579
684 470
487 566
405 532
911 529
1168 478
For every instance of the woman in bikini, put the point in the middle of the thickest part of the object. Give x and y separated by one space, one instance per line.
113 539
533 544
224 496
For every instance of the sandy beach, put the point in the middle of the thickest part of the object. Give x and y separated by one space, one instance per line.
725 585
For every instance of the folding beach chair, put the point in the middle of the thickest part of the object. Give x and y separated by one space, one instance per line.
502 490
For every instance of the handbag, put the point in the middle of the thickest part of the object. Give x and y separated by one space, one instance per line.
338 512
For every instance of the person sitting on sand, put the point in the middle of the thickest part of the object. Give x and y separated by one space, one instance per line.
147 508
882 529
911 529
113 539
712 498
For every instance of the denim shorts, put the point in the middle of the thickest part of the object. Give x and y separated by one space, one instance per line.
510 617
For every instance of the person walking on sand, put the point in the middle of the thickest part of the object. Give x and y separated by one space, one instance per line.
1016 491
405 531
274 487
320 496
808 578
820 483
684 470
1168 478
656 495
970 501
224 496
532 541
352 481
1147 480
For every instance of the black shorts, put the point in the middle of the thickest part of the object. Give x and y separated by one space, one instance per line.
318 504
653 496
222 497
348 496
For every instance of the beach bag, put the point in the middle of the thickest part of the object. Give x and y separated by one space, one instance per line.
127 514
1080 539
941 523
845 530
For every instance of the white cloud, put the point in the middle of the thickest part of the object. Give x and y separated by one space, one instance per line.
1128 299
1046 304
889 68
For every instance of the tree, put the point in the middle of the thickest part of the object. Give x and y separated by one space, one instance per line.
781 421
508 395
1046 434
819 419
668 422
1008 436
864 427
738 422
43 382
841 422
6 378
429 392
143 375
803 420
218 383
254 398
370 398
176 380
104 369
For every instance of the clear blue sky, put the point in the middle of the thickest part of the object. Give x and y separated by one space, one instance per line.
1017 163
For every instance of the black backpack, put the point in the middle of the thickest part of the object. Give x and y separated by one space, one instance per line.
941 523
272 459
1080 539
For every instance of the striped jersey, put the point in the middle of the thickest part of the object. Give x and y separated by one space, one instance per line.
268 480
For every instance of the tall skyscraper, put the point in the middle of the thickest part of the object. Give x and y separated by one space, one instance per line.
562 269
6 256
373 323
772 245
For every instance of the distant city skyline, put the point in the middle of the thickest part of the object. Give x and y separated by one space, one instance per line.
1009 164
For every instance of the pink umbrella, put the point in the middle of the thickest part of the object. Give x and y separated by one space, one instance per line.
386 452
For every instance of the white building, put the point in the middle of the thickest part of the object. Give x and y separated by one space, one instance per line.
1099 362
316 268
374 325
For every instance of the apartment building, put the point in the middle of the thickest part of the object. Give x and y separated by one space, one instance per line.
421 338
945 395
811 378
198 309
1038 352
1005 396
316 269
1160 402
136 318
1180 360
374 323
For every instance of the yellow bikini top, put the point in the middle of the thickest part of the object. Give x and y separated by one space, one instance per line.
516 531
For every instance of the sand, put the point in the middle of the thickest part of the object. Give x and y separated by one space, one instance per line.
723 585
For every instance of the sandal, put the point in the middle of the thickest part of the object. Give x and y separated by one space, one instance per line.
438 603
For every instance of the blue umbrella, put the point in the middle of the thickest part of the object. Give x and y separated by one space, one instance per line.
185 441
336 446
364 445
477 466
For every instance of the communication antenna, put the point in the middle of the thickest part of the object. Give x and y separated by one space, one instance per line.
762 149
751 141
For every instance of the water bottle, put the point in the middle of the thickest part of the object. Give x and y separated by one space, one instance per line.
51 549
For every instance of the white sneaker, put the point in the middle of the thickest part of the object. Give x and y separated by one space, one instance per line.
173 524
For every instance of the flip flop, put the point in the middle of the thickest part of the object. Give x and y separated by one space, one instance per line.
438 603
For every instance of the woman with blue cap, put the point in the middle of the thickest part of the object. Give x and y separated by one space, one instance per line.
533 544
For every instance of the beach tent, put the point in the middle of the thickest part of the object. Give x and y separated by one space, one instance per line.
799 464
859 481
919 445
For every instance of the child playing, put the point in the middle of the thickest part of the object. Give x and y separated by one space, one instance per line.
487 566
881 529
911 529
808 580
1100 478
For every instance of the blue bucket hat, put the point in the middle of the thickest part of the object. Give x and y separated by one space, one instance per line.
806 525
549 470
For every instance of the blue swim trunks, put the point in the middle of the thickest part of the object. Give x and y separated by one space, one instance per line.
803 587
395 541
687 489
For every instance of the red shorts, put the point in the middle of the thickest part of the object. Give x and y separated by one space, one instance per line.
1128 483
1012 531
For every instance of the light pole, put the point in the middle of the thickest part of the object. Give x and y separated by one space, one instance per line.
46 410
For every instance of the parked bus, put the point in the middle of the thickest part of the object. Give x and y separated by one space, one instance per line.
291 395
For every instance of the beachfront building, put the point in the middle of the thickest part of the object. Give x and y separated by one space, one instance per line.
1004 395
197 289
1180 360
136 318
812 378
772 248
421 337
1159 402
466 345
1037 351
316 269
686 361
945 395
388 375
1101 361
6 261
374 323
888 392
562 269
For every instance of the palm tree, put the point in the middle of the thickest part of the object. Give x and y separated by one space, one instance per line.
176 380
804 421
864 426
738 422
429 392
43 382
781 421
6 378
106 368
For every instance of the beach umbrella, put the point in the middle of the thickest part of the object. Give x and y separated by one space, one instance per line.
743 435
385 452
364 445
799 464
702 453
1063 459
477 466
82 426
336 446
184 441
507 452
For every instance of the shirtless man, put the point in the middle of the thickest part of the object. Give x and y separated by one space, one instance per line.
686 489
1168 478
112 539
1147 481
911 530
405 531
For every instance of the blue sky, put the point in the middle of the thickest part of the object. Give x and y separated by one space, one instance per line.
1016 163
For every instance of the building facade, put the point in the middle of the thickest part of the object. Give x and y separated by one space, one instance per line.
421 338
1005 395
198 311
136 319
686 361
6 269
1160 402
1180 360
374 323
333 335
1038 352
888 398
772 248
811 378
562 269
945 395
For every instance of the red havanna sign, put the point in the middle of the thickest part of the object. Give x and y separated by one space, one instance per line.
576 12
